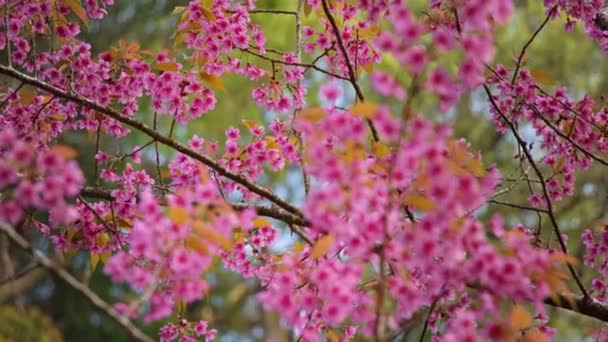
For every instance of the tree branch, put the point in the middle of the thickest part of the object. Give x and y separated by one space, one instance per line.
582 305
268 211
9 71
351 70
62 274
541 178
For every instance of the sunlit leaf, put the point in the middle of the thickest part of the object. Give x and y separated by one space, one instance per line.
261 222
195 243
178 10
369 67
419 202
180 307
368 33
542 77
458 153
380 149
104 256
364 109
352 152
164 66
563 258
206 233
213 80
536 336
332 336
65 151
94 258
178 214
207 3
312 114
250 124
203 174
520 318
271 143
27 96
76 7
307 9
209 15
102 239
321 247
298 246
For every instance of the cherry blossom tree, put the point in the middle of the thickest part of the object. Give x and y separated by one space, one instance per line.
389 234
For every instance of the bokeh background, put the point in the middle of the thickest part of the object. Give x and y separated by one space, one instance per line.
36 307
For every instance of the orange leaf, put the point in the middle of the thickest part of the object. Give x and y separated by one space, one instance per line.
307 9
298 246
459 154
312 114
65 151
250 124
563 258
178 215
542 77
213 80
364 109
203 174
332 336
27 96
380 149
211 235
321 247
369 67
271 143
209 15
368 33
418 201
261 222
164 66
78 10
536 336
196 244
102 239
520 318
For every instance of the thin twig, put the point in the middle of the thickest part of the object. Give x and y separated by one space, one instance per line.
528 43
160 174
518 206
12 94
541 178
351 71
428 318
298 64
66 277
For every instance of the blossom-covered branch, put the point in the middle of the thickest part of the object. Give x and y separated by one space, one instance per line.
8 71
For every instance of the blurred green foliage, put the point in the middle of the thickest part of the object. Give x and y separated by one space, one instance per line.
30 325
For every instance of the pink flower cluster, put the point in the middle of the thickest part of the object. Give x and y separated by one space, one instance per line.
33 179
569 131
186 332
465 26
